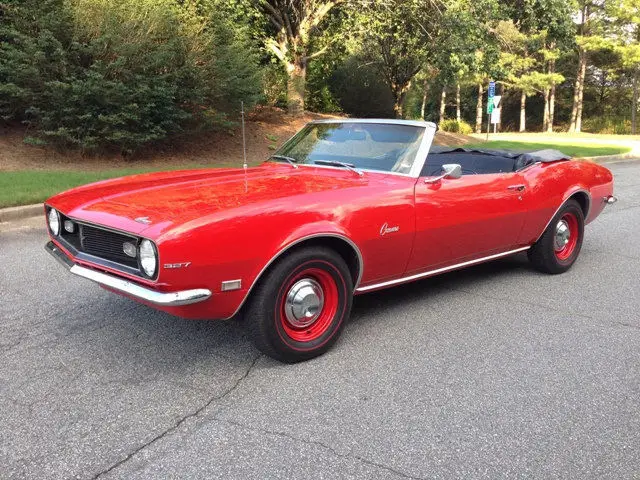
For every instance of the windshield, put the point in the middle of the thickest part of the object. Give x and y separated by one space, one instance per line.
370 146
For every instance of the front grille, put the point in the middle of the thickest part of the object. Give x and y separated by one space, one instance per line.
100 245
106 244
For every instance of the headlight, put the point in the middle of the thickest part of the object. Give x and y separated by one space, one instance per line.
148 257
54 221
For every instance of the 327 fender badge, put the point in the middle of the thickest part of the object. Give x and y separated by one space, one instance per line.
177 265
387 229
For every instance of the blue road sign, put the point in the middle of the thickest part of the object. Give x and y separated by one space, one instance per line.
492 89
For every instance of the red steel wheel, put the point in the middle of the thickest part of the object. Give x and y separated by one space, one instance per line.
299 307
566 236
309 303
559 246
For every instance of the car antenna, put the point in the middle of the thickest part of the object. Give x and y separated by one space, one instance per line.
244 139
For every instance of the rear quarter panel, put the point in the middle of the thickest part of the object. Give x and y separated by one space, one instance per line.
551 184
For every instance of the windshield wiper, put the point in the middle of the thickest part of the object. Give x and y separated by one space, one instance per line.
335 163
290 160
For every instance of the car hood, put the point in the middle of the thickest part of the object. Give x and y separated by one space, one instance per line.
166 199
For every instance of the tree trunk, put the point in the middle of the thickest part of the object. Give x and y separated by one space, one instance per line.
424 98
458 114
552 99
523 112
398 105
578 93
545 115
443 103
479 110
296 82
399 93
634 102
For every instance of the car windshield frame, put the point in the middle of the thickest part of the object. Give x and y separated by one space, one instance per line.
420 145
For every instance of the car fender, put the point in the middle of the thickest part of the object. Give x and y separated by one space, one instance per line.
317 230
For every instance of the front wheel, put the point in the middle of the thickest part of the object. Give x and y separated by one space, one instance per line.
559 246
298 309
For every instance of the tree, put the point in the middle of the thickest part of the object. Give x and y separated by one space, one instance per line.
587 40
626 15
293 25
402 33
467 48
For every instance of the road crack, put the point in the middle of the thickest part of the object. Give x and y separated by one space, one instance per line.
322 445
177 425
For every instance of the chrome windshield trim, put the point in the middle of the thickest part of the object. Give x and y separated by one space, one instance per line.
428 135
422 153
171 299
437 271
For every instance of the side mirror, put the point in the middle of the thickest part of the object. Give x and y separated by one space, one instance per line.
449 170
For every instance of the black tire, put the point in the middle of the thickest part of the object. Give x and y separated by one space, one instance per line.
544 254
266 318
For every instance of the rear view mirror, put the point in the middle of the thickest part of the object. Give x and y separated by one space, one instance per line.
449 170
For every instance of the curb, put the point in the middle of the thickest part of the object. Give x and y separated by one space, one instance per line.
611 158
18 213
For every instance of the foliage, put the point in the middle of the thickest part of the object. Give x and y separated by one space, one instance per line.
453 126
34 38
99 74
402 34
360 89
607 125
292 33
123 75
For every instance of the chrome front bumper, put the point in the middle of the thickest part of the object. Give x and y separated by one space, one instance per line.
173 299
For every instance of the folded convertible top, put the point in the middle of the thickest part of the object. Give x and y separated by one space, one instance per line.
547 155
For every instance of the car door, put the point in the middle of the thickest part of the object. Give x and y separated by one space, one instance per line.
470 217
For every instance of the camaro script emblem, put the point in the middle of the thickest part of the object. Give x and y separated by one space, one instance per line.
144 220
387 229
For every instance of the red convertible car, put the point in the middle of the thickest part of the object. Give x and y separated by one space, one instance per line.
343 208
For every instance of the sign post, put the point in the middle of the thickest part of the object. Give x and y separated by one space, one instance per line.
491 92
495 114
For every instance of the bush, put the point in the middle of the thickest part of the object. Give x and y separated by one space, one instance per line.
610 125
34 38
97 74
455 126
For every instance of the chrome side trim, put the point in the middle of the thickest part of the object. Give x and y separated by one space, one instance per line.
172 299
438 271
293 244
562 205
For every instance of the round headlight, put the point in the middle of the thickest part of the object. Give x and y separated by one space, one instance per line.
148 257
54 221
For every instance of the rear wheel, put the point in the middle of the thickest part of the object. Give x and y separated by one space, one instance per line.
298 309
559 246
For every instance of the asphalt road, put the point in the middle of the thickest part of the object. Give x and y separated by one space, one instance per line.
493 372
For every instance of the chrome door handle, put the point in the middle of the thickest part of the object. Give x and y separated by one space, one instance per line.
519 188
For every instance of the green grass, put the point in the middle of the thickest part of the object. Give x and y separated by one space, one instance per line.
34 186
581 149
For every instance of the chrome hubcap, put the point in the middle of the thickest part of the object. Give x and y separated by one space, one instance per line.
304 303
563 234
